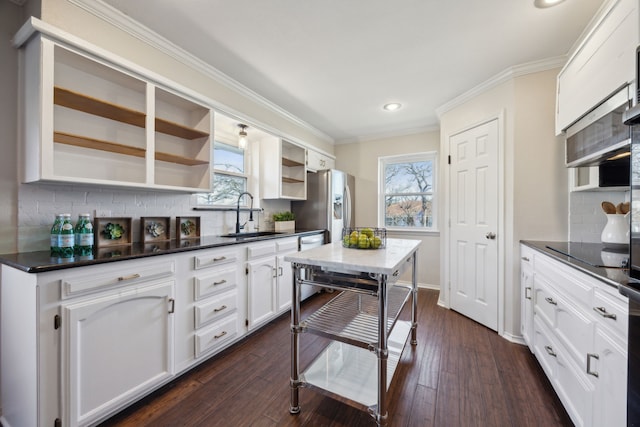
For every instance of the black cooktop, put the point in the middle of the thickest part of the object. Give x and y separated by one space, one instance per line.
597 255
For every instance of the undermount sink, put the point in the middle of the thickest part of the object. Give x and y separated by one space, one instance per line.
254 234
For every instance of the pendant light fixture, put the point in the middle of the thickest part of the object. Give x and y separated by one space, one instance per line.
242 141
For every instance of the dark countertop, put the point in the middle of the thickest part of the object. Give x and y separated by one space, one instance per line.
615 277
41 261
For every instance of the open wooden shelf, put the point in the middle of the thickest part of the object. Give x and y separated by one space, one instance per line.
87 104
290 162
97 144
172 158
175 129
292 180
97 107
112 147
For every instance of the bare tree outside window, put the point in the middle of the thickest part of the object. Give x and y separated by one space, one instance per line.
229 179
408 190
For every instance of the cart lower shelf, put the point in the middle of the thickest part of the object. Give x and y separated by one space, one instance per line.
343 371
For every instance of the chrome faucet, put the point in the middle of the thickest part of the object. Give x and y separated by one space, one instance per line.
238 226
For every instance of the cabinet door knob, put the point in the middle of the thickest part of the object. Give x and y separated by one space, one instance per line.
490 235
602 311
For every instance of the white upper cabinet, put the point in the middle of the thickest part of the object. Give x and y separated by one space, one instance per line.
603 62
283 171
88 120
317 161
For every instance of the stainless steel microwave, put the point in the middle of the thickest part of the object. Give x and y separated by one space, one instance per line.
600 135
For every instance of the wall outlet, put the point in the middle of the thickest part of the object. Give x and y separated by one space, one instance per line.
101 213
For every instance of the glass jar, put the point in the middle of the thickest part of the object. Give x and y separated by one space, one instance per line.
84 236
55 235
66 237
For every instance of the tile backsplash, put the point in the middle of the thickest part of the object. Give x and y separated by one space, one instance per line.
586 217
38 204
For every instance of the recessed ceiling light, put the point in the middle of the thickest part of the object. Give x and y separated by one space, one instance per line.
546 3
392 107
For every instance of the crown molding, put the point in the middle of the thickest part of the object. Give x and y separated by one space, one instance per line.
390 134
503 77
135 29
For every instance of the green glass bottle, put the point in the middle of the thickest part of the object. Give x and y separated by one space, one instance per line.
66 237
84 236
55 235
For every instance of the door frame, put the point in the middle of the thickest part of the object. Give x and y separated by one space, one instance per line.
445 288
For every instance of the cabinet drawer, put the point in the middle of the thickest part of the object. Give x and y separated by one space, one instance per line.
102 278
216 335
261 250
287 245
215 308
570 383
212 259
612 312
526 255
545 301
571 283
205 286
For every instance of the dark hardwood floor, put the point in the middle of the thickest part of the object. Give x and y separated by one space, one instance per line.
459 374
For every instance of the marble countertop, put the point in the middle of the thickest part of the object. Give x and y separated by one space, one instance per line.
41 261
338 258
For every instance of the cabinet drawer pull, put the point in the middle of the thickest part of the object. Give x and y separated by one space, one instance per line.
589 357
221 282
551 301
216 310
550 351
223 333
602 311
527 292
131 277
220 258
524 258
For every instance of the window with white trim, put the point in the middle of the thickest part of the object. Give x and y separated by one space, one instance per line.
229 176
407 193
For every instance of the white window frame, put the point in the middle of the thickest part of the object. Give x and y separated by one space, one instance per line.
245 175
431 156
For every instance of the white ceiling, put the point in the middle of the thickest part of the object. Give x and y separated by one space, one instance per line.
334 63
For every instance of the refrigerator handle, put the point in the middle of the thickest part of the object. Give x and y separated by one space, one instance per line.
347 207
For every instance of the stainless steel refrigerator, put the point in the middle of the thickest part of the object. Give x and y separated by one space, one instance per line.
329 205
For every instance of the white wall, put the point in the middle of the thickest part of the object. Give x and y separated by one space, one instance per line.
361 160
535 180
11 17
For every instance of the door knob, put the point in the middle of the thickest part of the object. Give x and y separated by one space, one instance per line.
490 235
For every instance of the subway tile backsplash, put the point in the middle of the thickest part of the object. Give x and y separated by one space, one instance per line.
586 218
38 204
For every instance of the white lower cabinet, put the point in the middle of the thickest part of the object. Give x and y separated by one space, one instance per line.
526 289
117 346
269 279
213 303
579 338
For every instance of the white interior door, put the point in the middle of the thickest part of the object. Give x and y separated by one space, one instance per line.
473 242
